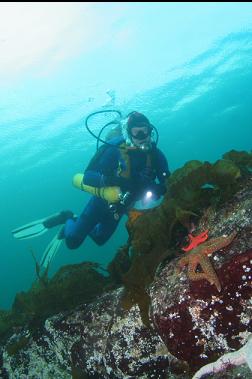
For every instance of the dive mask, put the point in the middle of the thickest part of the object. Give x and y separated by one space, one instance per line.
141 138
140 135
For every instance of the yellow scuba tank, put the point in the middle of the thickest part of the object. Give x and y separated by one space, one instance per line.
111 194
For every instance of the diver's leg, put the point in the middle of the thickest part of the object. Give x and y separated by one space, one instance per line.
58 219
75 231
104 230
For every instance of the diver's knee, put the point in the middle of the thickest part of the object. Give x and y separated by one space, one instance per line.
100 243
100 240
73 243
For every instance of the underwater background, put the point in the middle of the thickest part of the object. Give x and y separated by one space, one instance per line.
186 66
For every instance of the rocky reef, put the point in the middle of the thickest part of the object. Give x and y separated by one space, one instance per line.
159 311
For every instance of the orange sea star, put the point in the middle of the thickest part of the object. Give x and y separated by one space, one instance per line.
199 256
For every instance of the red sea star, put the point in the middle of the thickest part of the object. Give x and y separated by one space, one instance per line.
199 256
195 241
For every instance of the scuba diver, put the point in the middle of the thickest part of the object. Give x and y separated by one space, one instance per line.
130 164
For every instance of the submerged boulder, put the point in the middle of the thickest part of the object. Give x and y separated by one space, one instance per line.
197 322
99 340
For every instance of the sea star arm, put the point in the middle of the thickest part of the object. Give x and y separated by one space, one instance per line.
208 271
199 255
184 261
218 243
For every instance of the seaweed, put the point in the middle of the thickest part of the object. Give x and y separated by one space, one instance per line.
13 348
242 159
71 286
153 237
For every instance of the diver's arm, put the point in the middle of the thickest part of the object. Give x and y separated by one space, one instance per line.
93 179
105 172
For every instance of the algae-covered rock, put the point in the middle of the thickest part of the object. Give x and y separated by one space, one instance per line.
188 184
242 159
6 322
97 340
71 286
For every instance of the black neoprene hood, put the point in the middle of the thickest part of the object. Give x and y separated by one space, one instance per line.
137 119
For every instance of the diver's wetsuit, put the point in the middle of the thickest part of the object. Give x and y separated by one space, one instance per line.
97 220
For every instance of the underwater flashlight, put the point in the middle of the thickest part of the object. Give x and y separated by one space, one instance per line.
148 195
147 198
145 146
